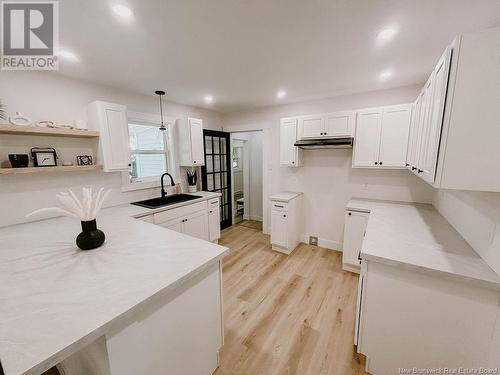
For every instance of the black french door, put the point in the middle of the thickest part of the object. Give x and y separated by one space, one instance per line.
215 174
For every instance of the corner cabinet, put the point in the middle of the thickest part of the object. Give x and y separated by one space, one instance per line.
188 140
381 139
290 155
330 125
111 121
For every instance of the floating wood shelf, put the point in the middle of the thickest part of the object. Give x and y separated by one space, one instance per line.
52 132
73 168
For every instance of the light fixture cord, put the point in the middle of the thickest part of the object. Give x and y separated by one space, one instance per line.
161 114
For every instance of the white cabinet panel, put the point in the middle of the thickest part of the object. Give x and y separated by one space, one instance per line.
188 141
289 154
174 224
213 220
367 140
196 225
415 129
339 124
394 136
196 133
311 126
111 121
354 232
279 229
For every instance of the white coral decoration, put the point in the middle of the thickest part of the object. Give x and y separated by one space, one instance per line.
84 210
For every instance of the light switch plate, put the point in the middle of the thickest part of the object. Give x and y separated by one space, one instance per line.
313 240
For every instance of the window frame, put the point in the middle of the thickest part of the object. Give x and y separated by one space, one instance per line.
149 120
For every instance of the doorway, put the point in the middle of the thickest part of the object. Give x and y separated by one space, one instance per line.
215 174
246 176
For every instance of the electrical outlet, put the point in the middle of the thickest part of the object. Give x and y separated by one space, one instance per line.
313 240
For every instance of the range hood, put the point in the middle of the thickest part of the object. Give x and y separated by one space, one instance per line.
321 143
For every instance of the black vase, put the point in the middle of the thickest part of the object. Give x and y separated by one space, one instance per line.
91 237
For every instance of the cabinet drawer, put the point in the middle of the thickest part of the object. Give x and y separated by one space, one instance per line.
167 215
279 206
213 203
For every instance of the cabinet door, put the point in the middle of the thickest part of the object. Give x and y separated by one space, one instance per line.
435 122
424 122
196 135
279 228
340 124
311 127
394 136
354 232
214 222
196 225
174 224
288 137
367 139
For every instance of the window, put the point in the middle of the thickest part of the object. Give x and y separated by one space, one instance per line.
237 151
149 156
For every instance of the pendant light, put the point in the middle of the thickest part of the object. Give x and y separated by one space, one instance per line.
160 94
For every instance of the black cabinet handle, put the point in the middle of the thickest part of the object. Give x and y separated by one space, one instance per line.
130 165
277 205
349 214
413 168
407 165
320 133
326 133
376 163
211 211
284 215
194 161
293 162
380 163
419 171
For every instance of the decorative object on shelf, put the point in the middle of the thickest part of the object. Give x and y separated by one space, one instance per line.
160 93
20 120
45 124
44 157
80 125
3 116
86 211
192 179
19 160
84 160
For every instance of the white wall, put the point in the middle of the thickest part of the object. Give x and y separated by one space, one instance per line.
327 179
476 216
49 96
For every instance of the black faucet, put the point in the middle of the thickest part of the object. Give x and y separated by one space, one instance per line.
163 192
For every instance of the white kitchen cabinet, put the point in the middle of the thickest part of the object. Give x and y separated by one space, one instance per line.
329 125
188 141
285 221
111 121
200 220
290 155
213 219
381 139
354 232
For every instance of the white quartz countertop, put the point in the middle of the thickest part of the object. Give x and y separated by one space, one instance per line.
285 196
416 236
55 298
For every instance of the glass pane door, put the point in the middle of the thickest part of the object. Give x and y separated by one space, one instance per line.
215 173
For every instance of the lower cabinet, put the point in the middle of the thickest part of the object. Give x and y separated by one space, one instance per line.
285 227
354 232
200 220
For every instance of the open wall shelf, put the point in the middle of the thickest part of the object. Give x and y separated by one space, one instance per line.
73 168
52 132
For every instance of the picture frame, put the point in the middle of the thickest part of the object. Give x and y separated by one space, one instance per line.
44 157
84 160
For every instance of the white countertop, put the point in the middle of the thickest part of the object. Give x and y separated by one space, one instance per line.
55 298
285 196
416 236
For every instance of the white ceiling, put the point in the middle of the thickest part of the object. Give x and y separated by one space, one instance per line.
243 51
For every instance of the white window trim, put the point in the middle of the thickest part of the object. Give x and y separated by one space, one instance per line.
151 182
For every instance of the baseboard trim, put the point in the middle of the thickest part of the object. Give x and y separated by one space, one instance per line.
256 218
323 242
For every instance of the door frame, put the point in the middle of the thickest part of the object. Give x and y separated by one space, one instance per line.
217 133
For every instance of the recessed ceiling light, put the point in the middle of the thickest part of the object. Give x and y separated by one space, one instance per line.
281 94
209 99
387 34
122 11
385 75
67 55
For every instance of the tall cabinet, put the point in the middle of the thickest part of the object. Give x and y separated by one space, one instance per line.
188 140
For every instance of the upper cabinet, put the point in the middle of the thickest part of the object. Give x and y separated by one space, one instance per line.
290 155
111 120
188 140
455 135
331 125
382 137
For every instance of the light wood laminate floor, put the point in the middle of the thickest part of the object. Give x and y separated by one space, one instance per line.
286 314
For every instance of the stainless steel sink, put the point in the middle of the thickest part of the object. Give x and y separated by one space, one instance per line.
169 199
